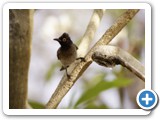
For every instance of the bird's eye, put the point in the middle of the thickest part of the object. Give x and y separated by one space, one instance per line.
64 39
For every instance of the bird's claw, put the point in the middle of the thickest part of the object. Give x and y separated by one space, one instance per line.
81 58
63 68
68 76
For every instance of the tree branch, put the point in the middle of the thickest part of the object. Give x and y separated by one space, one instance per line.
66 84
109 56
90 32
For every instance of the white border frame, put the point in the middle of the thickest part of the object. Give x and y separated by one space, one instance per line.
8 6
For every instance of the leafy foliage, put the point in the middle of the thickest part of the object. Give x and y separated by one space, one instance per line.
36 105
100 86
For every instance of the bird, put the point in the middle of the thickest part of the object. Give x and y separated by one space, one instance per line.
67 53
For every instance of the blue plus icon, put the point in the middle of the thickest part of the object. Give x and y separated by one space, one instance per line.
147 99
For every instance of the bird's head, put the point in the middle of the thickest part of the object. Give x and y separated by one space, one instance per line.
64 40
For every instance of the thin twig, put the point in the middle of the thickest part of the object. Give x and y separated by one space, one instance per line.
109 56
66 84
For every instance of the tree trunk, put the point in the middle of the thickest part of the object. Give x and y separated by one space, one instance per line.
20 29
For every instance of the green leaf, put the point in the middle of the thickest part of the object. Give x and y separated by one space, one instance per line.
36 105
100 87
94 103
95 80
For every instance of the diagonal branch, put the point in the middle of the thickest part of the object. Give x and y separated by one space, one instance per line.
90 32
109 56
66 84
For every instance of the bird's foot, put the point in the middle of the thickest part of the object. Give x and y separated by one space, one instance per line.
63 68
68 76
81 58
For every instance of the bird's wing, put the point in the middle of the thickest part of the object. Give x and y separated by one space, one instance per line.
58 53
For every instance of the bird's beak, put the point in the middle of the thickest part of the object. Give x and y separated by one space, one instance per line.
56 39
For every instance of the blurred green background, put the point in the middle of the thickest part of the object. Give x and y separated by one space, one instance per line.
98 87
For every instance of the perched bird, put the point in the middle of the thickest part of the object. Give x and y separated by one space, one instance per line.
67 53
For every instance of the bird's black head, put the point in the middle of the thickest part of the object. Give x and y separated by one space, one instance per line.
64 40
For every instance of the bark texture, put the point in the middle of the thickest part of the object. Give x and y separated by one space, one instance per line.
20 29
